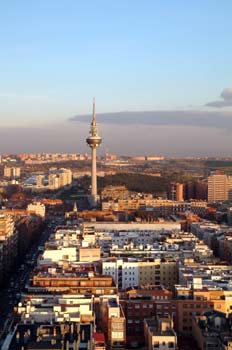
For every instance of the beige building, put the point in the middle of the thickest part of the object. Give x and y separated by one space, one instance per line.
113 322
89 254
12 172
36 208
158 272
159 334
59 178
40 181
176 192
127 273
219 187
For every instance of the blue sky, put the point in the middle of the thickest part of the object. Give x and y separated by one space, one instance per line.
132 55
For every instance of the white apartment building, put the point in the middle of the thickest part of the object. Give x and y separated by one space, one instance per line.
125 273
37 208
62 253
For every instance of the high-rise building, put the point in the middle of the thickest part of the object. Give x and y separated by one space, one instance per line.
8 245
201 190
59 178
40 181
176 192
12 172
94 141
219 187
196 190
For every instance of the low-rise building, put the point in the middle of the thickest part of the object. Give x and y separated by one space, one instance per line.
159 334
113 322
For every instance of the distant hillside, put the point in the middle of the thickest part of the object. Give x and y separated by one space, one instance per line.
140 182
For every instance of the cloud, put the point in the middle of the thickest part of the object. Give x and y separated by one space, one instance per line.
194 118
226 101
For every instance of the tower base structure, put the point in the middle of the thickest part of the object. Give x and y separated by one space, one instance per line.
93 201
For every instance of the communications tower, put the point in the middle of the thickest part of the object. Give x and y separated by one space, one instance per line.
94 141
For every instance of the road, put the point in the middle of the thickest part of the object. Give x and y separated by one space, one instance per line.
11 294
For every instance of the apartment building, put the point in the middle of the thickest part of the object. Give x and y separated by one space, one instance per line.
159 334
59 178
12 172
84 282
212 330
8 245
176 191
113 322
131 272
36 208
219 187
139 304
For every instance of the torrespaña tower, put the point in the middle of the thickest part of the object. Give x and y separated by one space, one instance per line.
94 141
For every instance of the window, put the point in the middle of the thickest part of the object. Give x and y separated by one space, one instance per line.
117 335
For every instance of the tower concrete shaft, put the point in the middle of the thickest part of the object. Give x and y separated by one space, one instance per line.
94 175
94 141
